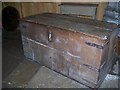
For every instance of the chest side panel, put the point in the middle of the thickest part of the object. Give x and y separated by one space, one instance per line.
62 62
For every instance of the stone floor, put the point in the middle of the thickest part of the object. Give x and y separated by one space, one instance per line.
20 72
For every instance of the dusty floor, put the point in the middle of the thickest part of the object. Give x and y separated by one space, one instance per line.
21 72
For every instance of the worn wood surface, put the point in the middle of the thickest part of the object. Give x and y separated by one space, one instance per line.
101 10
75 40
83 53
32 8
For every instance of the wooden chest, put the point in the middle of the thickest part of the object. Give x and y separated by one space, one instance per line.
80 49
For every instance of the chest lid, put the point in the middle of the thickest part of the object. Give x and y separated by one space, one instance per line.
94 28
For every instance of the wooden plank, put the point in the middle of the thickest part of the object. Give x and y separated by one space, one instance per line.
101 10
66 64
38 7
60 61
31 8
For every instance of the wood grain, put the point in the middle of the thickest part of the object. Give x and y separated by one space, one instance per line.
31 8
101 10
37 8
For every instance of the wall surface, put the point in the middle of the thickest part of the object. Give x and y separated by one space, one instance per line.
31 8
36 8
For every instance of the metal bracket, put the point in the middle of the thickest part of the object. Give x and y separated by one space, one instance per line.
49 36
94 45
